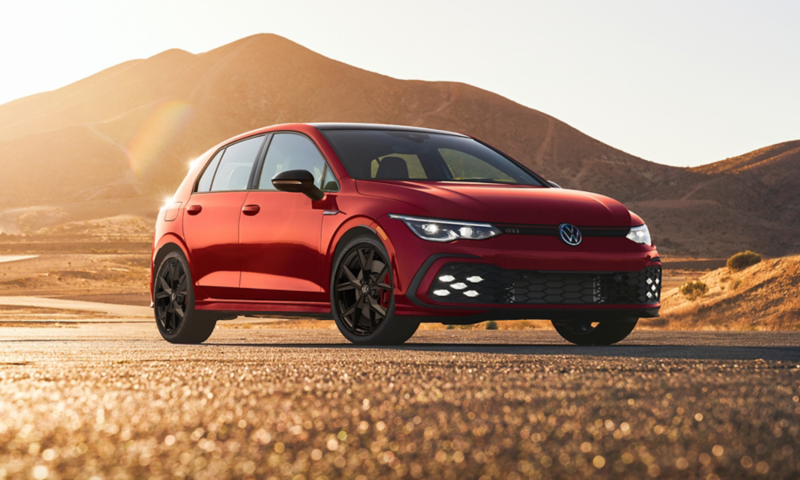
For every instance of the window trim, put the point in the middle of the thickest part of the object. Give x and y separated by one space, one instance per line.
263 159
225 147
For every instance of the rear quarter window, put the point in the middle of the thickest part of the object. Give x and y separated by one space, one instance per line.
204 185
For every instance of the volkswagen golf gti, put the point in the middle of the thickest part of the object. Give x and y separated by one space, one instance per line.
382 227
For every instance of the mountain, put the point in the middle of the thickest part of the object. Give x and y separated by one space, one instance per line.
747 202
119 141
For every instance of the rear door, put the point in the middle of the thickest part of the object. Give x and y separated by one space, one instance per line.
211 223
280 231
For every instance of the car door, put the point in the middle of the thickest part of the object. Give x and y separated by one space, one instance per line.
211 223
279 232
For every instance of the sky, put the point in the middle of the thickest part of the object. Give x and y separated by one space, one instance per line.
679 82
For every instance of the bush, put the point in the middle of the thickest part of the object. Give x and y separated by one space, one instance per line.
693 290
491 325
742 260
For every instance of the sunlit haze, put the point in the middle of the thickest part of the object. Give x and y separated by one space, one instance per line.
682 83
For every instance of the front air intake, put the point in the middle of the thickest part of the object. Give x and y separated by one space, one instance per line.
487 284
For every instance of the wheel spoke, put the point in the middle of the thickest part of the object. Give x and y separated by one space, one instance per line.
383 286
349 274
346 286
381 274
361 258
162 317
377 307
368 264
351 309
162 294
178 309
165 285
357 313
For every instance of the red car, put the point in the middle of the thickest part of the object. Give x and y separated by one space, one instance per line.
382 227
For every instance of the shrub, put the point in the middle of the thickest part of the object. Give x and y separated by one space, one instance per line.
491 325
693 290
742 260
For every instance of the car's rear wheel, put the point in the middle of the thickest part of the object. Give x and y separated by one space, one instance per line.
362 295
587 332
173 294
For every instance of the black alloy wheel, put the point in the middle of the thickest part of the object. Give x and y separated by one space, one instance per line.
363 289
589 332
171 295
362 295
173 299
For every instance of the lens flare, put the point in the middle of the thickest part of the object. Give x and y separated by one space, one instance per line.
156 134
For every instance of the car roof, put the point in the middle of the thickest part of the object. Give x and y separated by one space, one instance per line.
378 126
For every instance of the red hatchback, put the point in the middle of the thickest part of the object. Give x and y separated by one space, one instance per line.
382 227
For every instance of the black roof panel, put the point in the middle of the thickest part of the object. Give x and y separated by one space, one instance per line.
378 126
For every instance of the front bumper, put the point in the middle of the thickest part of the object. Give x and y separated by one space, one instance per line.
523 277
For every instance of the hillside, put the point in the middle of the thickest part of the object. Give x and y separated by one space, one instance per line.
750 201
761 297
119 141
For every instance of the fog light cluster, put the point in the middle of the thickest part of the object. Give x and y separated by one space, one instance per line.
458 286
653 293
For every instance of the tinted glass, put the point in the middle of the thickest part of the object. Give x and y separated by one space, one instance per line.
237 163
204 184
464 165
330 184
289 151
398 155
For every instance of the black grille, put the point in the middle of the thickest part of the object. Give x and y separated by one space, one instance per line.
552 230
488 284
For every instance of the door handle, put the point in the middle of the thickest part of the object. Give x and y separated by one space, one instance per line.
251 209
194 209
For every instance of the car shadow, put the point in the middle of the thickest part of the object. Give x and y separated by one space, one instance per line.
687 352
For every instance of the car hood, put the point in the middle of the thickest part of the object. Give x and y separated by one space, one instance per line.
509 204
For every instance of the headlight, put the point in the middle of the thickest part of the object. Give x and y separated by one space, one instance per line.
436 230
640 235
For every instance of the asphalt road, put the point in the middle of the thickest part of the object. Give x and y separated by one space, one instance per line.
115 401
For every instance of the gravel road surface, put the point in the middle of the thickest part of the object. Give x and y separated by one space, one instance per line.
115 401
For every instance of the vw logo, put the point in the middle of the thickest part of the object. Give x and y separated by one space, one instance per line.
570 234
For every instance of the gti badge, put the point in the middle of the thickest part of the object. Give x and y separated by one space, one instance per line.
570 234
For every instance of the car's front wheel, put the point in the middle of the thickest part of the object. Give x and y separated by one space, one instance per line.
173 294
362 295
587 332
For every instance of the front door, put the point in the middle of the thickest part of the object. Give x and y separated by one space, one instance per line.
279 232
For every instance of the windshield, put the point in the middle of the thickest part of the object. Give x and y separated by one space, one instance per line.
398 155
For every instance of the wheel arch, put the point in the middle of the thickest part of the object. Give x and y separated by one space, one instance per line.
349 231
167 244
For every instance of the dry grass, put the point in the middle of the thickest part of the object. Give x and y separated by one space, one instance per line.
760 297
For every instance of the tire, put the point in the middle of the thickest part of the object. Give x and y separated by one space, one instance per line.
173 296
359 294
606 332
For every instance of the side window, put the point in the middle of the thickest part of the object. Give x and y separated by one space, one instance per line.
204 185
237 163
466 167
289 151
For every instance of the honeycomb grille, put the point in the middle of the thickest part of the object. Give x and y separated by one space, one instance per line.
488 284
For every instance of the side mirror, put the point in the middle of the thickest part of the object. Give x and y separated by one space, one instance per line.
298 181
553 184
